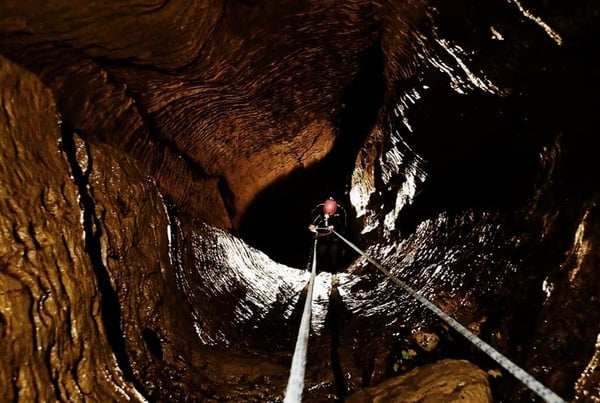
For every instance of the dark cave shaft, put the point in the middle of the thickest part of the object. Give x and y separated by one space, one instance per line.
459 134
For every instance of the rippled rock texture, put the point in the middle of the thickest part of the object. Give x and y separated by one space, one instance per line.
159 160
444 381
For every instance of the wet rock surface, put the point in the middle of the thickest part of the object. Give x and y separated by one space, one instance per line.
146 147
444 381
54 341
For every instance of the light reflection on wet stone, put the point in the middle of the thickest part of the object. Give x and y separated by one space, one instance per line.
476 183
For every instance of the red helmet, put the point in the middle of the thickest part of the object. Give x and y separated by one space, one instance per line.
329 207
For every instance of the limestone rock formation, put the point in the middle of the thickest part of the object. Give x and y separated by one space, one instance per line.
444 381
54 341
147 147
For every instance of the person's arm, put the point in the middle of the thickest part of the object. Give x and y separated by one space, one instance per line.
315 227
323 231
315 218
339 220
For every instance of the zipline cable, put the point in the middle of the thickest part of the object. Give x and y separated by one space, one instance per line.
295 386
541 390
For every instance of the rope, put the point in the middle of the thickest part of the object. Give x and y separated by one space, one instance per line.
528 380
295 386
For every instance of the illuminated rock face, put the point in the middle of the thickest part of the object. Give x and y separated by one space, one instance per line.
143 147
444 381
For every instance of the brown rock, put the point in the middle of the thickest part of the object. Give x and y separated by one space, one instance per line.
444 381
54 345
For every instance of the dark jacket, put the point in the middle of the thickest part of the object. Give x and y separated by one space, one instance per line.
338 220
330 250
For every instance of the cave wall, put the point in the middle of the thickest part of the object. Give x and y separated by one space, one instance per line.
479 171
48 279
216 112
90 306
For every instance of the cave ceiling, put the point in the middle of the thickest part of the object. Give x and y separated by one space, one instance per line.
235 97
160 159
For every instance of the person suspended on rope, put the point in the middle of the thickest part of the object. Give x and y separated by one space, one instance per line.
324 219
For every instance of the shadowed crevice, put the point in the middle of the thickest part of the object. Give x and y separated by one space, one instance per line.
111 309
